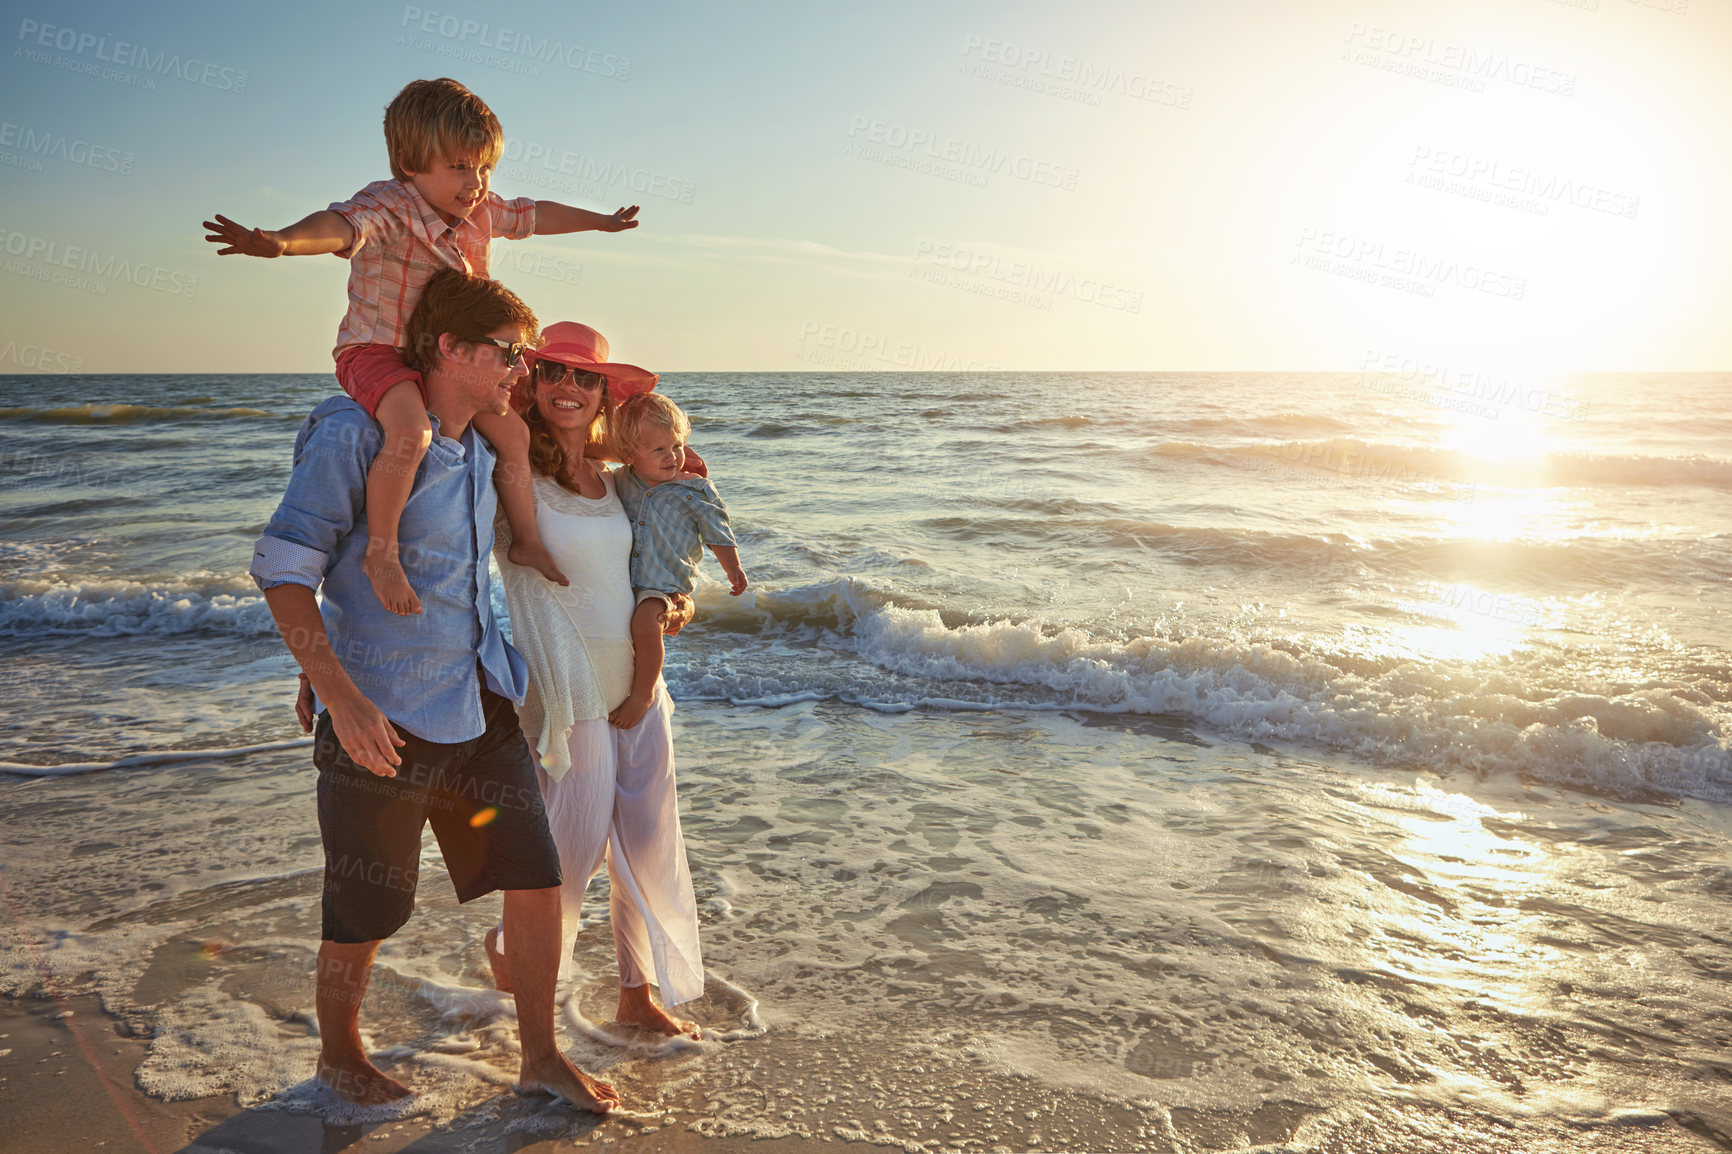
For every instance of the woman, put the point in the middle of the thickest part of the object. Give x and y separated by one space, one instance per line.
607 790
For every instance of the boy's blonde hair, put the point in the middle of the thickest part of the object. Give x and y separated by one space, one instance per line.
645 410
440 119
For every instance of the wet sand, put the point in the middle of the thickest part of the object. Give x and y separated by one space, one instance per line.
1019 971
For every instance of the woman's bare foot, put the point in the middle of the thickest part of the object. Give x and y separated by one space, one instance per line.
391 584
534 555
557 1076
496 961
637 1008
354 1079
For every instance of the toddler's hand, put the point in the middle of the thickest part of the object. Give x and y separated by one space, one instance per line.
738 577
242 240
621 220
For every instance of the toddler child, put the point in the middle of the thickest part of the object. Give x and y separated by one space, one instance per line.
674 514
436 212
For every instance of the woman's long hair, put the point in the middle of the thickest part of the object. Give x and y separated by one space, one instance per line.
547 456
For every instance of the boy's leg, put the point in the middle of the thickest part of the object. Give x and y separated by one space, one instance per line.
343 973
509 437
402 414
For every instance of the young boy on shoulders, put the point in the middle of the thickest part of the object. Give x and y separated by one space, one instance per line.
674 514
436 212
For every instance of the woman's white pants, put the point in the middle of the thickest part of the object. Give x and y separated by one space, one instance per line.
617 801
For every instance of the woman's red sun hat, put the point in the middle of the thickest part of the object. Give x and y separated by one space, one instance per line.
580 346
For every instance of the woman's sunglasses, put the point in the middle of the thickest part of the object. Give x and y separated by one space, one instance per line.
552 373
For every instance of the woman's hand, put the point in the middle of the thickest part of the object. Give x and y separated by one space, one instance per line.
630 712
679 614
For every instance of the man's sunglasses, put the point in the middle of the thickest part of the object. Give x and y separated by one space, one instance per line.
552 373
513 350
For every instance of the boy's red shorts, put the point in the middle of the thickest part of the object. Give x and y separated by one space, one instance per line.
367 371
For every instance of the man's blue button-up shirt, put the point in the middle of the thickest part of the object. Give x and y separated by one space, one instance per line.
420 671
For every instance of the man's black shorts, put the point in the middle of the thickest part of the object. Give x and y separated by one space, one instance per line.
481 797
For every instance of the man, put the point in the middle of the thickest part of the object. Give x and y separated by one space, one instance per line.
419 724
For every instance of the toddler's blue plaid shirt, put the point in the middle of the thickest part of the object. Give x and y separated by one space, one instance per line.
670 524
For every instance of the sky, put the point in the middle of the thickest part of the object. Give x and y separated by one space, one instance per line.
1536 186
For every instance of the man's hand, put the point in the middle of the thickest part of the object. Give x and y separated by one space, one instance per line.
242 240
679 613
367 736
304 704
630 712
619 221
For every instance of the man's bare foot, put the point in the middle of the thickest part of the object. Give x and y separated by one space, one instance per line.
355 1079
391 585
637 1008
496 961
535 556
557 1076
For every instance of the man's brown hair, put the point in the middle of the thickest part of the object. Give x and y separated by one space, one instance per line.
468 307
439 119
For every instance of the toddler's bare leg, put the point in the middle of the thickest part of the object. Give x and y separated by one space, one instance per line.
509 437
403 416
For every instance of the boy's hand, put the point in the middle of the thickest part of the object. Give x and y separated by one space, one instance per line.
619 222
738 577
243 240
630 712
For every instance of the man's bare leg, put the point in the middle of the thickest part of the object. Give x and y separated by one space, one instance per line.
496 961
532 925
637 1008
344 970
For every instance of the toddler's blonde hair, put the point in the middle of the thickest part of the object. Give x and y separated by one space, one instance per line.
643 410
439 119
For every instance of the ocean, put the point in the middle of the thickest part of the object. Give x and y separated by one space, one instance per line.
1133 761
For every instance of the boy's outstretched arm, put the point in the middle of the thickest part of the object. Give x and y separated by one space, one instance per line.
324 231
552 217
